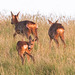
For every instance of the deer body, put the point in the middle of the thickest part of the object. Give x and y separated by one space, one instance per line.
25 48
24 27
56 30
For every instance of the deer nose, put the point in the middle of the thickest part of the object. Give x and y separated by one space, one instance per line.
29 47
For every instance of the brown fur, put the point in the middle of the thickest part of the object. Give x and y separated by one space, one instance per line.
25 48
56 30
24 27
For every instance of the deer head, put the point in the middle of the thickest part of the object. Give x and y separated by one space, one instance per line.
31 43
14 19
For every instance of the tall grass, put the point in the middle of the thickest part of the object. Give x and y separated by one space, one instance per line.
47 62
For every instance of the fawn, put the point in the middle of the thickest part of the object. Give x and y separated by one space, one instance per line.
25 48
56 30
24 27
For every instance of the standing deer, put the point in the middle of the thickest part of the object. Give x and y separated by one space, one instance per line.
24 27
25 48
56 30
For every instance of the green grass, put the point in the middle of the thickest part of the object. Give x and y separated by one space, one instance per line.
47 62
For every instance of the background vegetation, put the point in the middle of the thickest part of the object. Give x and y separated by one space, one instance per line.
47 62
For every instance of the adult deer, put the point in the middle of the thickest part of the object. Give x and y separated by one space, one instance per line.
24 27
25 48
56 30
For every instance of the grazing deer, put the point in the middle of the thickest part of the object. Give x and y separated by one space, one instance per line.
56 30
24 27
25 48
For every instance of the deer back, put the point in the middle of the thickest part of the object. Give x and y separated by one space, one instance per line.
23 26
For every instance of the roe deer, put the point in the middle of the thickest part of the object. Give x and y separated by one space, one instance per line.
25 48
56 30
24 27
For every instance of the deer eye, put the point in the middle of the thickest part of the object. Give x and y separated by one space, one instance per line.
31 44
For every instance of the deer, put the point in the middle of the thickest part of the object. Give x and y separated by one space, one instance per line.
56 30
25 48
24 28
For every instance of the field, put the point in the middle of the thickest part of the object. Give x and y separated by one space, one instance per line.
52 61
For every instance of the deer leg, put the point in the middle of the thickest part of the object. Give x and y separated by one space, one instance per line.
28 34
62 39
35 34
56 40
14 34
50 42
27 52
28 57
31 57
22 58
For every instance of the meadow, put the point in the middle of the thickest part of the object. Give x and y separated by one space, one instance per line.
48 61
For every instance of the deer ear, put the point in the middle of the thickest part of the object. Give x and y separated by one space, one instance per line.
50 22
18 14
56 21
30 38
11 13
